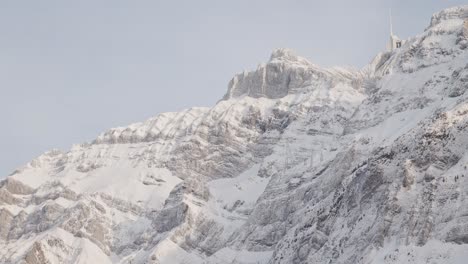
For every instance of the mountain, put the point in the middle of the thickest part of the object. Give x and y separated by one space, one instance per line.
296 164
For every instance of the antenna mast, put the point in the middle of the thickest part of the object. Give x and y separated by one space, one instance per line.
391 23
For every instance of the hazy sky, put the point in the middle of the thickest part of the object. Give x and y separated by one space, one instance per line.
72 69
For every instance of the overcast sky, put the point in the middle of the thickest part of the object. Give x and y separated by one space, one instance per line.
72 69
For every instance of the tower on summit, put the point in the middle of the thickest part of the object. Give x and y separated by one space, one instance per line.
395 42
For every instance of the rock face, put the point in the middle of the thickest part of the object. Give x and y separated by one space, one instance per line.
297 164
284 74
465 28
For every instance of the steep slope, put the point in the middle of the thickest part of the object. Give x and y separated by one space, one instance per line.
296 164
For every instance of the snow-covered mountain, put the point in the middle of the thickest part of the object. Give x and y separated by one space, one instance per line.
296 164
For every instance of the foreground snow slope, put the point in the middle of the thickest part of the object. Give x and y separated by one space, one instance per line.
296 164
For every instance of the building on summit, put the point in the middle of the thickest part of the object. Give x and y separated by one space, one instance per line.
395 42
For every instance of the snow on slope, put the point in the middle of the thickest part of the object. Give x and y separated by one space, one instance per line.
433 251
297 164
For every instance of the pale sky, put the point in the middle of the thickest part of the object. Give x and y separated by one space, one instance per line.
70 70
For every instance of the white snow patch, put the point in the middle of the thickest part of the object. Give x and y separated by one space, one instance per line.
433 252
228 255
244 189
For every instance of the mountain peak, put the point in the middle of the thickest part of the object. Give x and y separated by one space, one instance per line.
283 74
283 54
458 12
287 55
